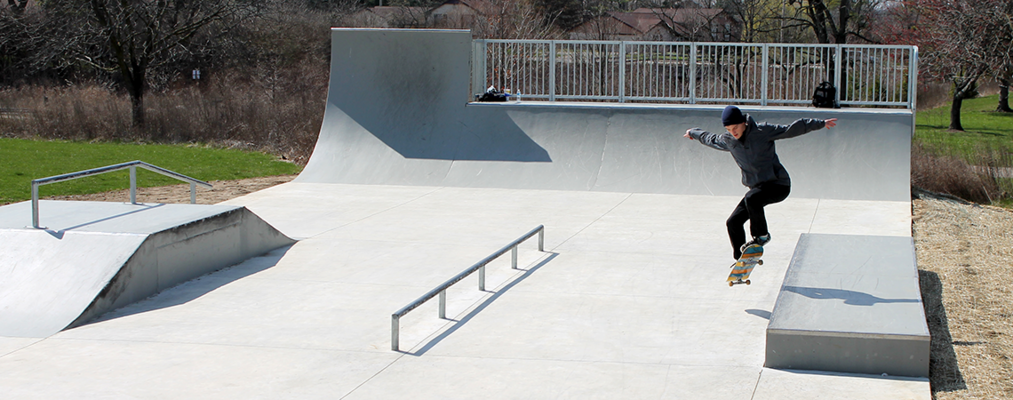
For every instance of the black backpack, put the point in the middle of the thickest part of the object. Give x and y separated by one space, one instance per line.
824 96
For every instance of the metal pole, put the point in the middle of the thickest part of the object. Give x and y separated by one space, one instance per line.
193 193
622 74
133 185
513 257
541 239
35 205
443 304
692 73
395 331
552 71
764 79
481 279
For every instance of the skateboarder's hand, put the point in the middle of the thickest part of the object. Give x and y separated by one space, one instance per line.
832 122
687 135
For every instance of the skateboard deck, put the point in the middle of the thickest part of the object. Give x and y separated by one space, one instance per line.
744 266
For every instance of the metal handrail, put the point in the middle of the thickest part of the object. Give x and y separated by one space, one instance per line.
395 322
133 182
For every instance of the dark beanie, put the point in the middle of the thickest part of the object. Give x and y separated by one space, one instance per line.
732 115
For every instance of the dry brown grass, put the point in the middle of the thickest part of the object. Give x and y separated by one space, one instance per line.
964 253
951 175
280 115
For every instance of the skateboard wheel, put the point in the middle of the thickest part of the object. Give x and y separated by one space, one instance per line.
747 281
730 284
760 262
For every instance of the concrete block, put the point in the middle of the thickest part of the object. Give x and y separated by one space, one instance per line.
850 304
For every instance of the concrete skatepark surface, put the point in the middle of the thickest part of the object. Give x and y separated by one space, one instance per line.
629 299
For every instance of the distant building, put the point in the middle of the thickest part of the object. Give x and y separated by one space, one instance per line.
461 13
661 24
391 17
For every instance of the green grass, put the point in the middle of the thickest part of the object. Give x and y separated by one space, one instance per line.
983 128
22 160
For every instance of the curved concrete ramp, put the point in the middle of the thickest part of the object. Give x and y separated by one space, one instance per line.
398 113
97 257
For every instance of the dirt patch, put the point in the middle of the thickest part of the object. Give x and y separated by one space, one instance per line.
223 190
964 254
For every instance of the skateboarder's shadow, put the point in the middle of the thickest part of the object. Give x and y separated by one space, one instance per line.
850 297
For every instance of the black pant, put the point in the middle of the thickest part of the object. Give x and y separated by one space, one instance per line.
751 209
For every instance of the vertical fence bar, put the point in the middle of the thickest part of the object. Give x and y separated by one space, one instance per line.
193 193
622 72
552 70
395 332
837 74
912 80
692 73
133 185
541 240
513 258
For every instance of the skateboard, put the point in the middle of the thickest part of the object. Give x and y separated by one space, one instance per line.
744 266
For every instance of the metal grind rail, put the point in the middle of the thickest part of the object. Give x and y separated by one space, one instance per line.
395 319
133 165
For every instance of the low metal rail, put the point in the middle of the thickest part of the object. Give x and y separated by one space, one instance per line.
395 319
133 165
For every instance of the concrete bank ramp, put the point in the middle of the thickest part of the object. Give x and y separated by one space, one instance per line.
95 257
398 113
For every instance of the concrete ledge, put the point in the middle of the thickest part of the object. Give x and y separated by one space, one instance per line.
99 256
850 304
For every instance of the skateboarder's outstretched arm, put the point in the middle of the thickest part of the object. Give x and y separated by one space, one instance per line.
706 138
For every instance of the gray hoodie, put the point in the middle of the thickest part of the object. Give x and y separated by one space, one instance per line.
754 152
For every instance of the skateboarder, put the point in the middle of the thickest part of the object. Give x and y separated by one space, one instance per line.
752 146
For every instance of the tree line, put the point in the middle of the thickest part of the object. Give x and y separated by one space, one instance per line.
137 46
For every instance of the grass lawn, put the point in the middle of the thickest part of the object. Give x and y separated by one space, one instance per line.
23 160
983 129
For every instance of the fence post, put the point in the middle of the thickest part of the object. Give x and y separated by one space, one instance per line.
552 70
692 73
764 71
912 76
622 72
837 74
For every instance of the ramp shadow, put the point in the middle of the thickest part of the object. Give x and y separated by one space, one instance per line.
420 130
944 371
196 288
759 313
850 297
459 323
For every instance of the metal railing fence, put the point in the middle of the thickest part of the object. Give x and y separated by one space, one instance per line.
684 72
395 319
132 166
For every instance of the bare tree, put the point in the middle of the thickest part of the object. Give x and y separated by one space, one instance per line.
961 41
136 37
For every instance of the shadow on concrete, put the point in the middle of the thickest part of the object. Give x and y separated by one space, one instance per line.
944 371
482 306
850 297
411 131
868 376
197 287
759 313
59 234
